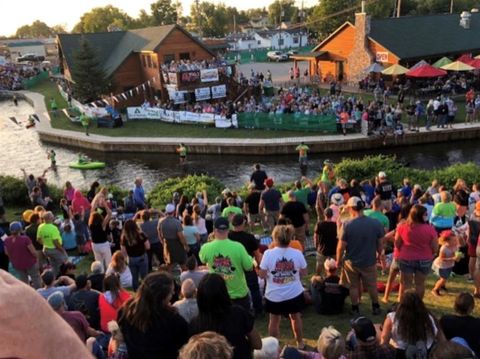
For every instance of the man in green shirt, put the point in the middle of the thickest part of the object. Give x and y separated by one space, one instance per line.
230 260
377 213
231 210
49 236
85 120
302 149
53 107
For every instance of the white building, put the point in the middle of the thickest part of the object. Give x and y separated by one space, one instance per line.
19 48
282 39
241 41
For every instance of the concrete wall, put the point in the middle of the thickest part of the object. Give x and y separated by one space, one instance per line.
255 146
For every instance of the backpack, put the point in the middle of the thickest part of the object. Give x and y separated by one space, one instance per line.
416 351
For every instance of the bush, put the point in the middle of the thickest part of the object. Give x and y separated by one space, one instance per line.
162 193
13 191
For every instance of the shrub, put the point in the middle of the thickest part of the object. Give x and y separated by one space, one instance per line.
162 193
13 191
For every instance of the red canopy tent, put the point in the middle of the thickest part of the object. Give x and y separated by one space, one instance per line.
465 58
426 71
474 63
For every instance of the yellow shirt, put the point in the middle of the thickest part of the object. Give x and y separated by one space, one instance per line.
47 233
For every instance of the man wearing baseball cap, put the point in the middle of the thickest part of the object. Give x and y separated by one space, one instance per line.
170 232
229 259
365 343
361 242
384 189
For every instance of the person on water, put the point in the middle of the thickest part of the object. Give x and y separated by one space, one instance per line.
82 159
302 149
31 121
53 107
85 120
52 156
182 151
15 100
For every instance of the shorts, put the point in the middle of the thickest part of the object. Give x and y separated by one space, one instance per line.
353 275
387 205
254 218
471 250
445 272
411 267
290 306
320 260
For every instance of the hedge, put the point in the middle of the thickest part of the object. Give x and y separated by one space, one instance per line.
14 192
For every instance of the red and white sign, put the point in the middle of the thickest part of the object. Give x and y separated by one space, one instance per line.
381 57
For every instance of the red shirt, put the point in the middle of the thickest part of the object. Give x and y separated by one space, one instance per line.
416 242
78 322
18 252
109 311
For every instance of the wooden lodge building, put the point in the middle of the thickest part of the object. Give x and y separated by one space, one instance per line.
134 57
405 40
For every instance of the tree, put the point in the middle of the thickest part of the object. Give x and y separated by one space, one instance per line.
99 18
59 29
36 29
323 23
212 20
164 12
281 10
89 78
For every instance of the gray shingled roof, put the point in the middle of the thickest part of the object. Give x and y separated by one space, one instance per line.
114 47
412 37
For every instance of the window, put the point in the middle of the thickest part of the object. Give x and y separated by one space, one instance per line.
295 40
149 61
144 64
281 42
168 58
259 42
184 56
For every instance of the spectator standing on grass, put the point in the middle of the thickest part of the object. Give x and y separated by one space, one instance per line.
49 235
297 213
258 177
269 205
360 245
170 232
139 194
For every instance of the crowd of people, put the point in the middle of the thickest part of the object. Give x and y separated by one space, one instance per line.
189 280
12 75
193 65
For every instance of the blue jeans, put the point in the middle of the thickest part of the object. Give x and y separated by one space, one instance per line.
252 283
139 268
411 267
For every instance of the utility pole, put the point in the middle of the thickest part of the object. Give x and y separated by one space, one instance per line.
234 23
451 6
399 7
199 18
302 21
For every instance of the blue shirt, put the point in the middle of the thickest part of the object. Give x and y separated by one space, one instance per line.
139 196
69 240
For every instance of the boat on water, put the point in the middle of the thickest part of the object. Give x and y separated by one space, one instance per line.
91 165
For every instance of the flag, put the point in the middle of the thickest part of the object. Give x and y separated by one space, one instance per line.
94 104
124 96
154 79
106 102
131 93
143 87
115 99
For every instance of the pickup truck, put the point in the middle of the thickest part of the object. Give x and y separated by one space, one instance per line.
276 56
31 57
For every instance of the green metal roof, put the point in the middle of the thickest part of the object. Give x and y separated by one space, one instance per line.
411 37
114 47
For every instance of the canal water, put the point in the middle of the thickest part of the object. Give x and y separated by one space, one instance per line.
21 148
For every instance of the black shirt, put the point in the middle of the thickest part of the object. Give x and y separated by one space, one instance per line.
31 232
466 327
329 296
236 333
248 240
258 177
98 234
294 211
86 302
162 340
384 190
252 201
137 249
327 238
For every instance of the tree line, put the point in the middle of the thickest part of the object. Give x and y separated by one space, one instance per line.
217 20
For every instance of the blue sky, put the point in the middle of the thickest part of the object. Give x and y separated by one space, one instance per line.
14 14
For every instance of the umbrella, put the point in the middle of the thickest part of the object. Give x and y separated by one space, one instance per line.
477 57
426 71
475 63
418 64
395 69
375 67
458 66
442 62
466 58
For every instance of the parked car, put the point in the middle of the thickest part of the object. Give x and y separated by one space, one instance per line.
276 56
292 53
31 57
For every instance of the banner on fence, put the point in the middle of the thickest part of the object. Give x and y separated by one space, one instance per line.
202 93
295 122
219 91
190 76
209 75
177 96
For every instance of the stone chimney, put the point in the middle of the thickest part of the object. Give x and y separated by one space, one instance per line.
360 57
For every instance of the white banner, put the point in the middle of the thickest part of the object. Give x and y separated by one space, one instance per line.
202 93
219 91
177 96
136 113
209 75
154 113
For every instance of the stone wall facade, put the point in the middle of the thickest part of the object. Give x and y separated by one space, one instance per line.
360 57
